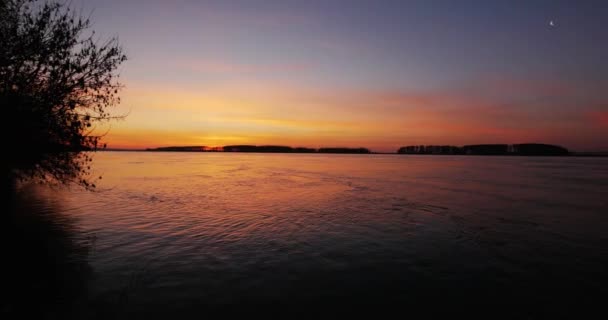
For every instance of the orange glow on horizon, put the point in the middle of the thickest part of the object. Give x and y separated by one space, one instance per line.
286 114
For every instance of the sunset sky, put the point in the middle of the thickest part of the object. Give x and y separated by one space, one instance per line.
376 74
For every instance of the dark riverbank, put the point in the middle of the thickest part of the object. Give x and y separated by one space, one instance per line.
264 149
522 149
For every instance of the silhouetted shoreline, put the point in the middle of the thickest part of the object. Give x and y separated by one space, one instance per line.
522 149
262 149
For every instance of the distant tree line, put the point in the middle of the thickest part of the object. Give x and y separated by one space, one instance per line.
285 149
184 149
524 149
268 149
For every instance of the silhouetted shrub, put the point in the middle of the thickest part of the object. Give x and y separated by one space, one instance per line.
56 83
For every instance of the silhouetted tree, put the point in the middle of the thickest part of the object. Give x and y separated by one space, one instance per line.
56 82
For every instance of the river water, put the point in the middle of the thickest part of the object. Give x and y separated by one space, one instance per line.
172 233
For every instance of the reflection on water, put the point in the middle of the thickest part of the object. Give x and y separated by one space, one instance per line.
179 232
44 266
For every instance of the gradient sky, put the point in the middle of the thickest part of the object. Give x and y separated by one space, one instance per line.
377 74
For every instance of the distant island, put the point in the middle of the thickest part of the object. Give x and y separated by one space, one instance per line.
264 149
181 149
522 149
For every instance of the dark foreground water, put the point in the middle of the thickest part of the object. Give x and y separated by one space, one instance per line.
176 234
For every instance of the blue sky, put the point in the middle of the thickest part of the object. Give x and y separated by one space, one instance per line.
271 61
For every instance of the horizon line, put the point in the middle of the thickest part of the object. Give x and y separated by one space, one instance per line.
217 148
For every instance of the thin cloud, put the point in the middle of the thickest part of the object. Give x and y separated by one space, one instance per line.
233 68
